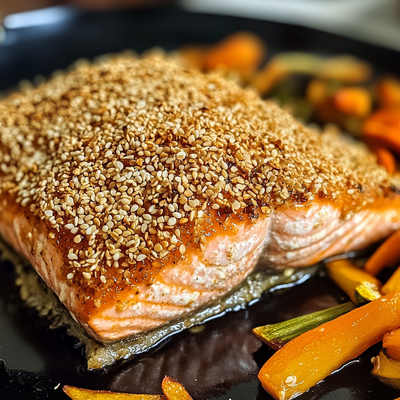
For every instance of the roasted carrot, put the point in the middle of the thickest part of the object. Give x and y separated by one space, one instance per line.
358 284
385 158
393 283
391 343
309 358
173 390
76 393
383 127
353 101
387 255
388 92
241 52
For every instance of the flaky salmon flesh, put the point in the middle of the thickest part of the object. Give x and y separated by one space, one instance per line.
141 191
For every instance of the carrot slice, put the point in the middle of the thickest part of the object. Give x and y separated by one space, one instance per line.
76 393
387 255
393 283
391 342
383 127
173 390
309 358
353 101
385 158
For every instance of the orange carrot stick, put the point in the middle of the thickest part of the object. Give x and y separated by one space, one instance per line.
358 284
388 92
387 255
311 357
86 394
241 52
384 127
353 101
393 283
385 158
391 342
173 390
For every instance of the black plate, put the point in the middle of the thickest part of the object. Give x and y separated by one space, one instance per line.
222 360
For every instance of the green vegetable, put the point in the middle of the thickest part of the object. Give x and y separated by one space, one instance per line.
276 335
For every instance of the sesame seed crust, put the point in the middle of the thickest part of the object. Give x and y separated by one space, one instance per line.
127 158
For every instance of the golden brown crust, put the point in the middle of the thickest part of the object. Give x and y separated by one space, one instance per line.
127 158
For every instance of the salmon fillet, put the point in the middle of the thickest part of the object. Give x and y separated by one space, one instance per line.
141 191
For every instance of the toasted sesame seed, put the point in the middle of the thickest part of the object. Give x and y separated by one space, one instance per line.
171 221
77 238
87 275
134 169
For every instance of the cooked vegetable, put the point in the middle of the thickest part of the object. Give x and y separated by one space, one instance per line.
385 158
387 255
391 343
386 370
310 357
173 390
86 394
383 127
241 52
388 92
276 335
393 283
360 286
353 101
344 69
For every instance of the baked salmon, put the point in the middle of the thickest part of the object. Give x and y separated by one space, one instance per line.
141 191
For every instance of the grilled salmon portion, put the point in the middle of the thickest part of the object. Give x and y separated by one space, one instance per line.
141 191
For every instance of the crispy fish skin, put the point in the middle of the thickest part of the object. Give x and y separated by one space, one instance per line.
141 191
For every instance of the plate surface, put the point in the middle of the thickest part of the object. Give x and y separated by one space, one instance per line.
221 360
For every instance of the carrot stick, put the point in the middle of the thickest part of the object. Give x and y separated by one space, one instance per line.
391 342
173 390
393 283
358 284
385 158
388 92
86 394
353 101
241 52
384 127
387 255
311 357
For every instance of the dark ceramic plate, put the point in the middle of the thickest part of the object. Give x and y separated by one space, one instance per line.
222 360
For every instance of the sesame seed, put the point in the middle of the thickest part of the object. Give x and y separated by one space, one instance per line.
158 248
120 171
70 275
171 221
87 275
77 238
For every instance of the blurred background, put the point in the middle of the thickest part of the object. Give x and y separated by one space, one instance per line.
374 21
